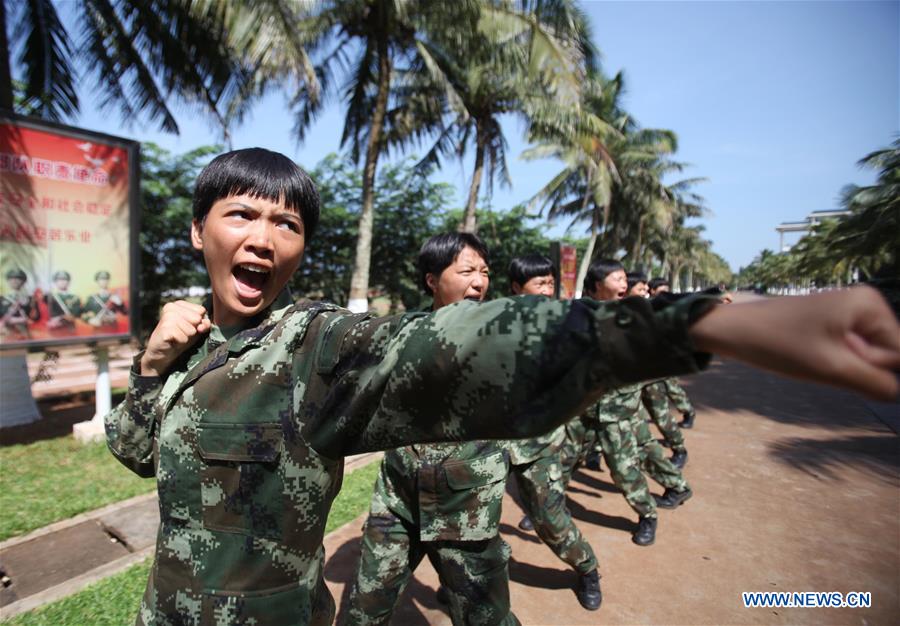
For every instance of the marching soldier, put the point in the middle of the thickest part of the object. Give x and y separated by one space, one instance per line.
675 392
619 423
101 307
537 468
442 501
17 308
64 307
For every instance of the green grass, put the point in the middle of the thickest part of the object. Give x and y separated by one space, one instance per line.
353 500
47 481
114 601
111 602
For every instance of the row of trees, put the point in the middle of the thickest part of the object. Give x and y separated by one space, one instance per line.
409 208
439 76
863 244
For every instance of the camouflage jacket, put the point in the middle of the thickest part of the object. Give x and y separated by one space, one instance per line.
450 491
246 435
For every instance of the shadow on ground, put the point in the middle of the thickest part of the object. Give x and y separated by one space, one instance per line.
732 386
878 456
859 437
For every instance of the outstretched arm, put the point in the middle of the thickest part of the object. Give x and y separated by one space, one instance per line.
846 338
511 368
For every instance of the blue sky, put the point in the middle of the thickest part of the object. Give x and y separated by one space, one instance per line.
773 102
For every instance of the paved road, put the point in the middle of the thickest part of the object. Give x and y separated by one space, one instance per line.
797 489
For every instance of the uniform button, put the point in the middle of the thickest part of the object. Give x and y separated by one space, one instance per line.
624 318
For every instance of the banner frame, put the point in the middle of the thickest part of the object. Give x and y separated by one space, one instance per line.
133 149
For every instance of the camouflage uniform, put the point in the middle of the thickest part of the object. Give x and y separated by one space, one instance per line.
538 471
656 402
580 439
443 501
246 435
678 396
630 449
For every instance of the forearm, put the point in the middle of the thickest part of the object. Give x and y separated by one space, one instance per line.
131 426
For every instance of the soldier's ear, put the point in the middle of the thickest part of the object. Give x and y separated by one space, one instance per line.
516 288
196 235
431 280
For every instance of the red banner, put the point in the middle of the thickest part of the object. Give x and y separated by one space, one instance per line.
568 272
65 234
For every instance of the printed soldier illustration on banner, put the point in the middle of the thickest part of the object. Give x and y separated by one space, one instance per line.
65 233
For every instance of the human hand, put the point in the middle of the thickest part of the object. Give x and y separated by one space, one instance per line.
180 326
846 338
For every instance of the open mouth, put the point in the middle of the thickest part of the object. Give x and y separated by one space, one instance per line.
250 280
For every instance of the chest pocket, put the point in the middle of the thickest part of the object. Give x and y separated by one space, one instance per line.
241 486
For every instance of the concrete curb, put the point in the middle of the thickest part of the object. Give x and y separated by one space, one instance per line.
74 585
78 519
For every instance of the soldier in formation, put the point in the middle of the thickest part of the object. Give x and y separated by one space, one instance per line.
17 307
244 408
536 466
619 425
101 308
64 307
442 501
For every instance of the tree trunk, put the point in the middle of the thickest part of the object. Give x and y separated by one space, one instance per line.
636 250
469 224
689 280
6 90
359 280
676 277
586 261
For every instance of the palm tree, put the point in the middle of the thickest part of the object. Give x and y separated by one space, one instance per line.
583 141
502 70
141 53
870 236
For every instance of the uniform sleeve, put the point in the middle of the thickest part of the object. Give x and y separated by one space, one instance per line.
506 369
130 426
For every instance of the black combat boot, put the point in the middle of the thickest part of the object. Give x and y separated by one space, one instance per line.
688 421
593 462
525 523
588 591
645 535
679 458
671 499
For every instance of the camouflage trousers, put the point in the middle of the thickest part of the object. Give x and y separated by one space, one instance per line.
656 401
581 439
474 573
543 498
678 396
631 450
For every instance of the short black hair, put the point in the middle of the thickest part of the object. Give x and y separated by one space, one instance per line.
439 252
597 271
524 268
656 283
259 173
634 278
